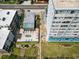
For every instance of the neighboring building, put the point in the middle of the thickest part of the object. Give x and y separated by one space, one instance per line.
29 21
63 21
28 36
28 2
29 33
9 19
40 1
9 23
6 40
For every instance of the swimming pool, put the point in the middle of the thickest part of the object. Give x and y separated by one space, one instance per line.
63 39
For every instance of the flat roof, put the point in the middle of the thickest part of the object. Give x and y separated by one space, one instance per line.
3 37
65 3
6 17
29 17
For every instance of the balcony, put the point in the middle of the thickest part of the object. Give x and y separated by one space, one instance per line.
66 15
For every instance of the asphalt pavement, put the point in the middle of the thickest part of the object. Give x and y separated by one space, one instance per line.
14 6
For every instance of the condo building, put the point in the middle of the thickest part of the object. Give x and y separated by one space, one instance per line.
29 21
8 25
29 32
63 21
9 19
6 40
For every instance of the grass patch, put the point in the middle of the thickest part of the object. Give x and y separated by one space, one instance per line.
63 42
31 51
16 51
8 57
54 49
4 57
10 2
26 42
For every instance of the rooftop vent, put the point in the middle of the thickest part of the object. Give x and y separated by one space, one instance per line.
8 13
3 19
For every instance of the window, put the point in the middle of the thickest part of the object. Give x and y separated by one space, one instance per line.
54 28
53 31
76 31
56 22
77 18
74 34
68 17
64 25
75 22
66 22
62 29
61 32
56 12
28 35
3 18
60 11
8 13
72 12
53 22
55 25
73 25
55 17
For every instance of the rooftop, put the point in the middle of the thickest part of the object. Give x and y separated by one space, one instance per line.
29 36
29 17
6 17
66 3
3 36
29 20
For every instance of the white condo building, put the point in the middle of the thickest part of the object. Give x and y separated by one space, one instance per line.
6 17
8 25
63 21
6 39
9 19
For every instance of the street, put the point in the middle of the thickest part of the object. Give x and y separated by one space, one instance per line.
6 6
